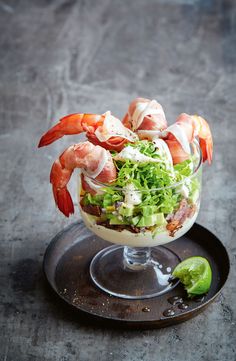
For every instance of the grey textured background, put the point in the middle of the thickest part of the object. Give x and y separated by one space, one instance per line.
68 56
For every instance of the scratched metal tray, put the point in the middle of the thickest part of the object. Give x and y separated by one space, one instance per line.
66 265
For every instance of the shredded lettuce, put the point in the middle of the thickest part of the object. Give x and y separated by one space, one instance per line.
148 178
145 147
183 170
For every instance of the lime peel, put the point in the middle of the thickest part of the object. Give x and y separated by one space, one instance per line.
196 275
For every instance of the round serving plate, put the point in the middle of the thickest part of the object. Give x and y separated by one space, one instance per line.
66 266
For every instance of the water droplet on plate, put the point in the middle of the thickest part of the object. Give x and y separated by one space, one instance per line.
183 306
146 309
169 312
175 300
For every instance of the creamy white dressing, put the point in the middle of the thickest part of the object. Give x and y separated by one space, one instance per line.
134 154
163 279
165 152
142 239
133 197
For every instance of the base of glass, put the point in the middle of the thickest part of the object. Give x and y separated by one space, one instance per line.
116 271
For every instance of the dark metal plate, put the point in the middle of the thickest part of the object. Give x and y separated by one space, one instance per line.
66 265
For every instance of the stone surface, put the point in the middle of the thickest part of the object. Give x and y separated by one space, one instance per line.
67 56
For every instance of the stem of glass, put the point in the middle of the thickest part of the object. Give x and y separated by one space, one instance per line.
137 258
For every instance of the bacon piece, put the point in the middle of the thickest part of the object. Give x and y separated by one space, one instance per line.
176 220
92 209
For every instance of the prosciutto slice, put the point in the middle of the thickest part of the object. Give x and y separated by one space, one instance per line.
145 114
113 127
180 135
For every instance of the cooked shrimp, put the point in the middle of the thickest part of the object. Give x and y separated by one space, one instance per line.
104 130
145 114
95 161
205 138
184 131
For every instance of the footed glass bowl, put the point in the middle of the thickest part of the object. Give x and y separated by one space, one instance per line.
137 265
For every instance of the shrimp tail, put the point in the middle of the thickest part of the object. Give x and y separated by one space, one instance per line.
206 148
68 125
63 200
93 159
104 130
53 134
205 138
59 178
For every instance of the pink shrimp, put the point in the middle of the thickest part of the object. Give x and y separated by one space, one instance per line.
94 160
145 114
104 130
184 131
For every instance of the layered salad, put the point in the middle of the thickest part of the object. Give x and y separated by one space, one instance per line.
151 201
140 177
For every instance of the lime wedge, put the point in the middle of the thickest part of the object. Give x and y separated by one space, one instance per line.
195 274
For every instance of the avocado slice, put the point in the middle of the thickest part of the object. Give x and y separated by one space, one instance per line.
114 220
126 210
156 219
135 220
107 200
149 210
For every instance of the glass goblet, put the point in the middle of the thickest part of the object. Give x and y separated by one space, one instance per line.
137 265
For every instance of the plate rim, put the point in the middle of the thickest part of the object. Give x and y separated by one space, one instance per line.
151 322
